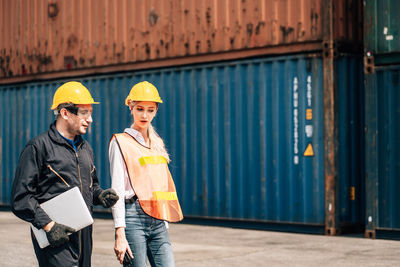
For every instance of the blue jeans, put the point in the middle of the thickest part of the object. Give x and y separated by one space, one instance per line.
147 236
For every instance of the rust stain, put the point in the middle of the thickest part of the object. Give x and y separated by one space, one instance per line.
153 17
52 10
314 22
224 27
69 62
131 34
176 61
259 25
187 48
300 32
5 66
40 59
23 70
147 48
92 60
208 15
286 31
72 41
249 29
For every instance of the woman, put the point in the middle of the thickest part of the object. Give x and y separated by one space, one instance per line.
140 176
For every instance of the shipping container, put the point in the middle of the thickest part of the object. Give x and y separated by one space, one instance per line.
382 110
382 152
246 137
382 30
53 36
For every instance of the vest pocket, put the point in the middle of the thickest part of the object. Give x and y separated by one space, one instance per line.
59 176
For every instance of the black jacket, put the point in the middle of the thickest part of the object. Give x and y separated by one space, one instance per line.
48 166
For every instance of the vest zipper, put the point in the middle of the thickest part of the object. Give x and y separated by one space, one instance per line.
59 176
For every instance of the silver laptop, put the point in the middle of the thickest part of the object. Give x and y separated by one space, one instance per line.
69 209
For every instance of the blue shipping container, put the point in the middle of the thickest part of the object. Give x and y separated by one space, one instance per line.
383 146
246 137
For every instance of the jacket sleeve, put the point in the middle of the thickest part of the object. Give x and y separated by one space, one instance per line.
23 202
96 186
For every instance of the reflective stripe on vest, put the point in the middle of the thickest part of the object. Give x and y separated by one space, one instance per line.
165 195
150 178
153 160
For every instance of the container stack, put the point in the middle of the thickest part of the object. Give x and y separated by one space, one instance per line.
263 111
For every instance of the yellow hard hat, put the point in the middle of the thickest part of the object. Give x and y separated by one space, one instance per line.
143 91
72 92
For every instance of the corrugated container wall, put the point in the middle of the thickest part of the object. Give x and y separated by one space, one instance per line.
382 147
382 30
382 26
245 137
382 110
50 36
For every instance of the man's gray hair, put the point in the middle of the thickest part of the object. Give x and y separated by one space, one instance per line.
61 106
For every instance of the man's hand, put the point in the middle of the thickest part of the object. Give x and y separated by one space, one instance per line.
108 198
58 234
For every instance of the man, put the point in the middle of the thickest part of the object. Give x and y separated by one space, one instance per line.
53 163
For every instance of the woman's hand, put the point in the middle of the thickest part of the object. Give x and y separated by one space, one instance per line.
121 244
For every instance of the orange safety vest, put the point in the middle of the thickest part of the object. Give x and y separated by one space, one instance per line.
150 178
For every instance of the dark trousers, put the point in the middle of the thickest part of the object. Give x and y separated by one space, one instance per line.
76 252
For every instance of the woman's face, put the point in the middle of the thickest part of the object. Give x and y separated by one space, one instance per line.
143 113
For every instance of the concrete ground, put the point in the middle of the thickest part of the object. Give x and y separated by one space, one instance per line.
216 246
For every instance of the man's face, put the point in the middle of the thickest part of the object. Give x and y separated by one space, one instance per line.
78 123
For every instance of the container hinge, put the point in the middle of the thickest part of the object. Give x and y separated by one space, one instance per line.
369 65
330 50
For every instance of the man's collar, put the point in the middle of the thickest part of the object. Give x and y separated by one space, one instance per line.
58 138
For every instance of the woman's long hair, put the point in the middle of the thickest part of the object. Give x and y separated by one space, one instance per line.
156 143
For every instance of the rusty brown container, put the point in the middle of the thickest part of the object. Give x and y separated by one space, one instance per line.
54 36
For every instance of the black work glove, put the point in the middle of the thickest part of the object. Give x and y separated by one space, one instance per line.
58 234
108 198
